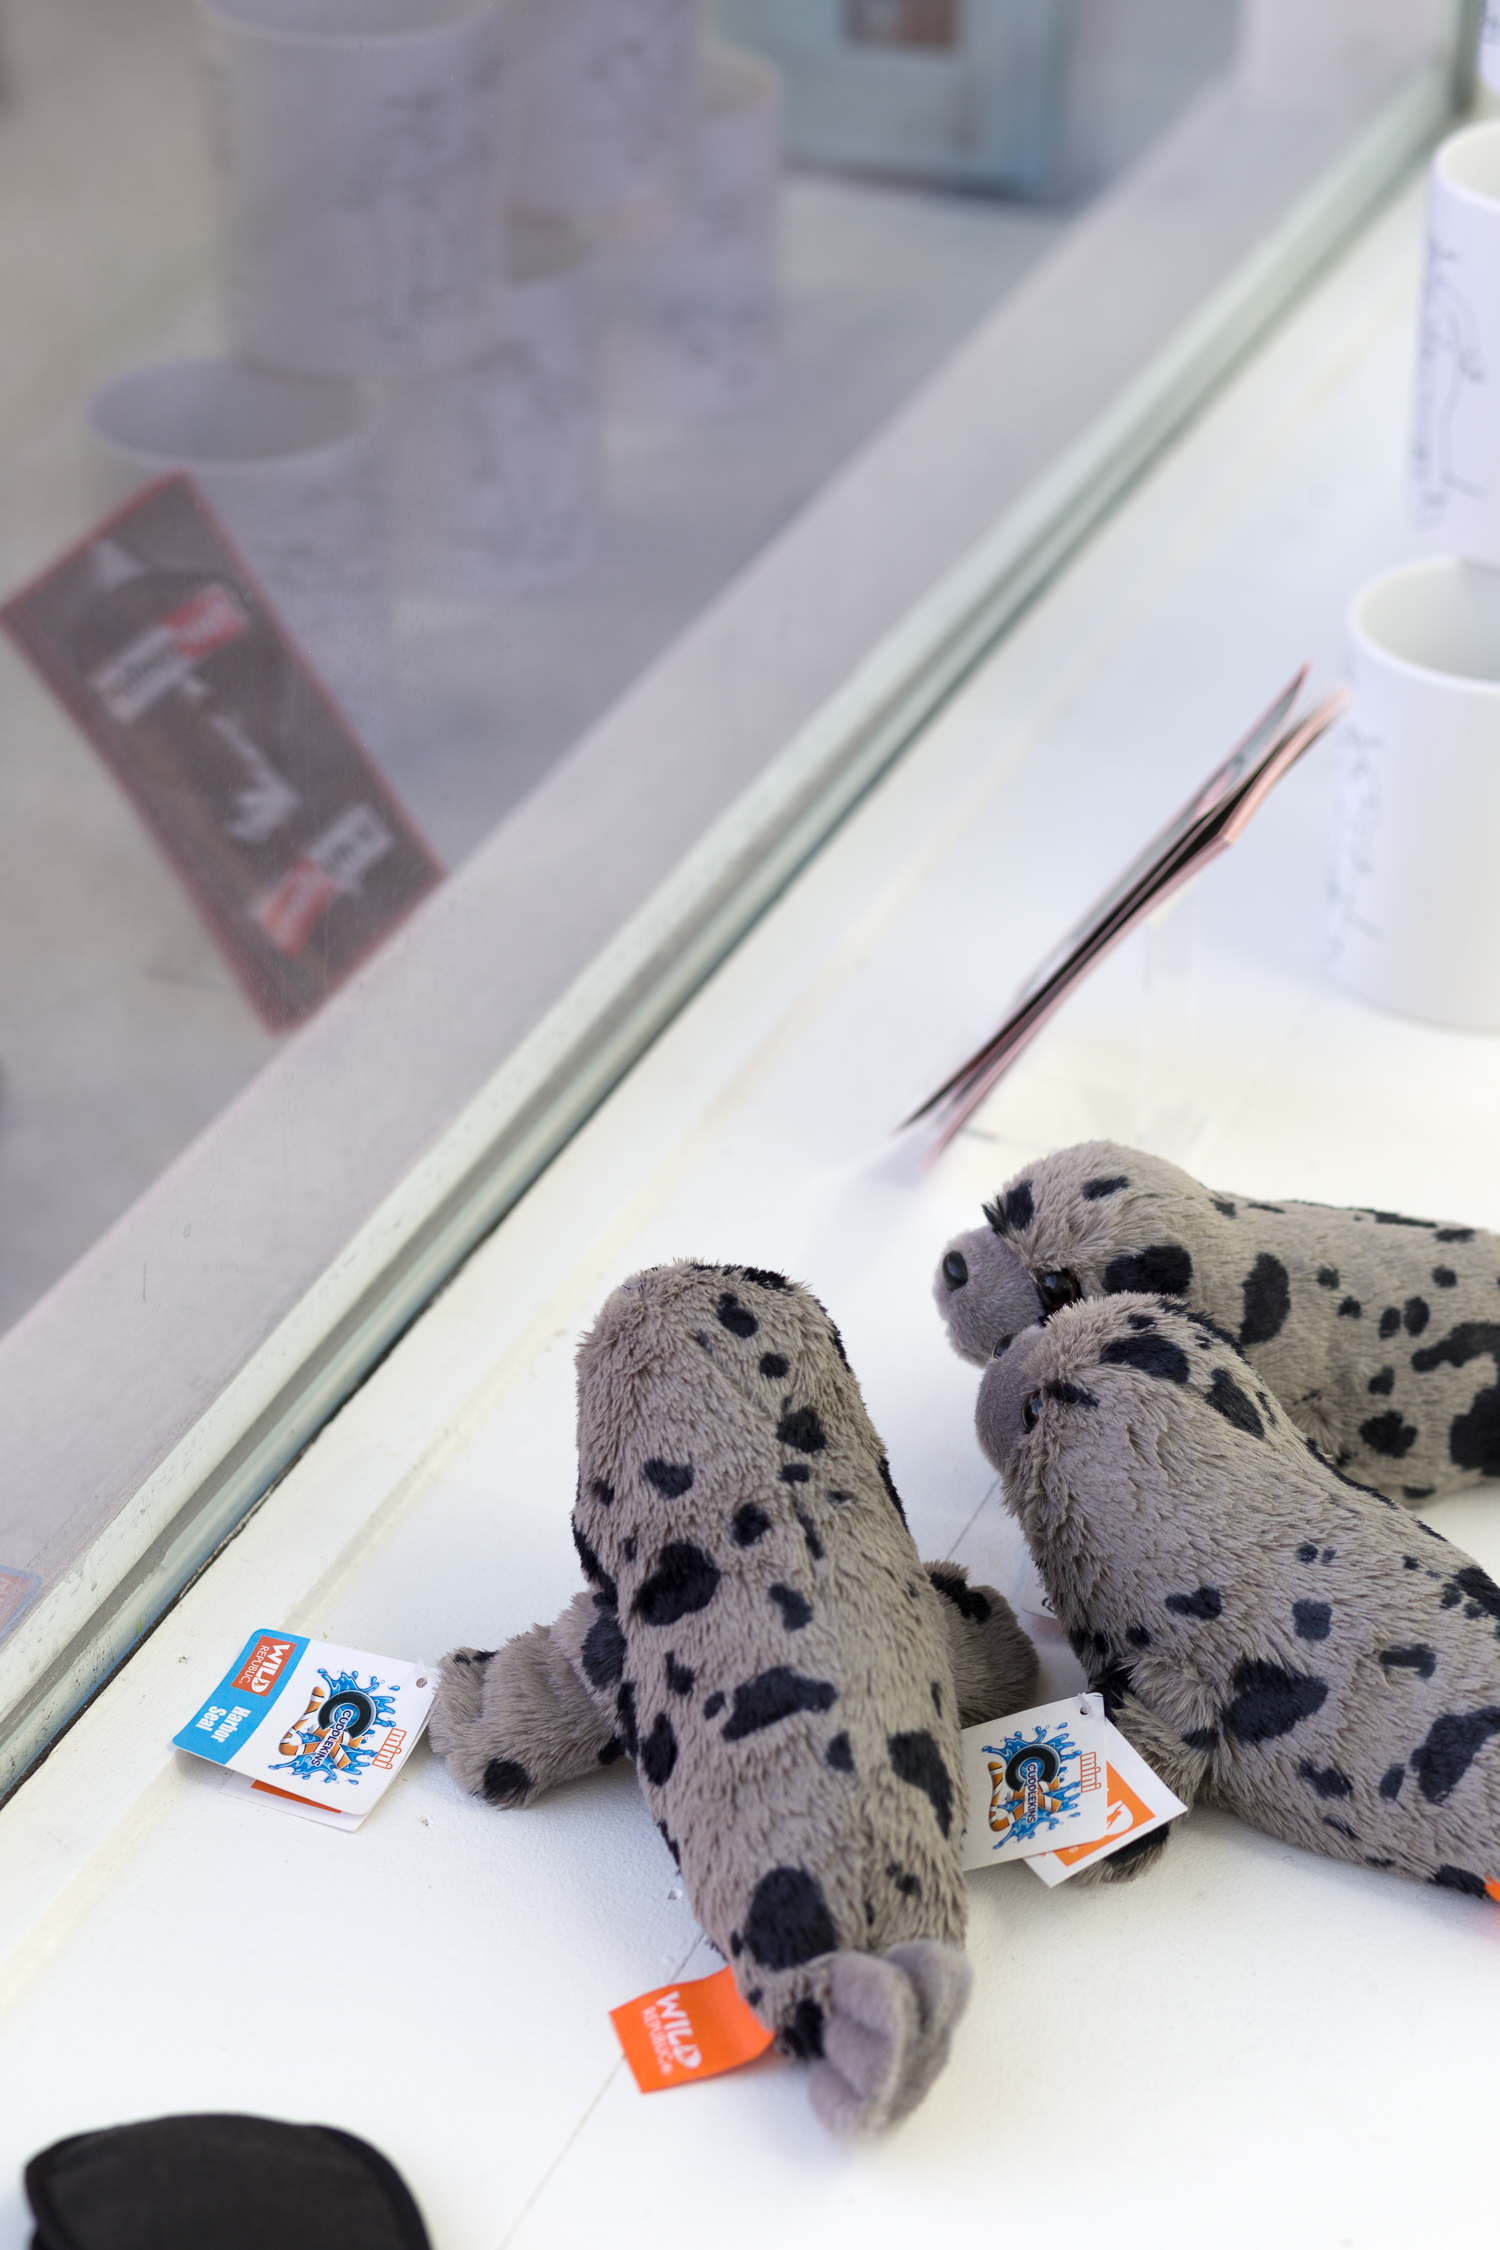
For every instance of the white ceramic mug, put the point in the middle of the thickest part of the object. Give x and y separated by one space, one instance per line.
294 467
1414 905
700 296
599 95
359 151
499 463
1455 438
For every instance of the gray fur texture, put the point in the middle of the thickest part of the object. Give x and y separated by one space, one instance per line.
1379 1334
1272 1637
762 1639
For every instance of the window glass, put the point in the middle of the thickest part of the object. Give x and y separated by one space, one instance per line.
454 459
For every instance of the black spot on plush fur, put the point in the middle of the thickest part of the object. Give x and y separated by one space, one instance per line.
671 1478
889 1482
1206 1604
734 1316
1165 1269
1311 1621
773 1366
916 1758
604 1649
802 2033
1474 1438
685 1579
1389 1434
680 1677
1460 1879
1419 1658
800 1427
750 1523
966 1599
1383 1383
658 1751
1226 1398
1149 1355
1267 1292
1271 1700
796 1610
1012 1212
1327 1781
505 1782
1452 1744
839 1755
775 1695
593 1570
1093 1191
788 1922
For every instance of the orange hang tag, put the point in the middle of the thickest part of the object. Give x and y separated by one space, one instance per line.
687 2031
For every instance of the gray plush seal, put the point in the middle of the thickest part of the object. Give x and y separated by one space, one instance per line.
1272 1637
764 1642
1379 1334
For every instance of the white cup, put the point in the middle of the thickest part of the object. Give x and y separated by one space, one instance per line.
700 296
499 463
1414 904
358 148
1455 439
294 467
599 94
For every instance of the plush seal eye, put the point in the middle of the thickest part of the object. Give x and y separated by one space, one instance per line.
1031 1410
1057 1289
955 1269
1002 1347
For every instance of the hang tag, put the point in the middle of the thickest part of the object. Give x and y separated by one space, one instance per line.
685 2031
1034 1781
309 1721
1139 1800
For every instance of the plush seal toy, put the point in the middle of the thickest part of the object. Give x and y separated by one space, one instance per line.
790 1681
1379 1334
1272 1638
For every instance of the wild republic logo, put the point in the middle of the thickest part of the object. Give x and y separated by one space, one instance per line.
263 1667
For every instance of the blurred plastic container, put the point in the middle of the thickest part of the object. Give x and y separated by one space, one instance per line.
698 316
498 464
962 92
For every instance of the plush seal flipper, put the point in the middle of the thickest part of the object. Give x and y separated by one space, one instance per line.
888 2027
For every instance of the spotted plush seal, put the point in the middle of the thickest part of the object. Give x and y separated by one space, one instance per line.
1379 1334
762 1639
1272 1637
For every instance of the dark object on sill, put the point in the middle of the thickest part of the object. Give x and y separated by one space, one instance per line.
219 2183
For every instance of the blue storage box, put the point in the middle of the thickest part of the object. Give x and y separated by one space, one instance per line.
968 93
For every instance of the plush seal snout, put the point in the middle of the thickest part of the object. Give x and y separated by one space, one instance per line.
985 1294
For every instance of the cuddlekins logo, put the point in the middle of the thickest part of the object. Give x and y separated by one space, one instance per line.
262 1667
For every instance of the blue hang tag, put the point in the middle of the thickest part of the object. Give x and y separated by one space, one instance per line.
1035 1781
310 1720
